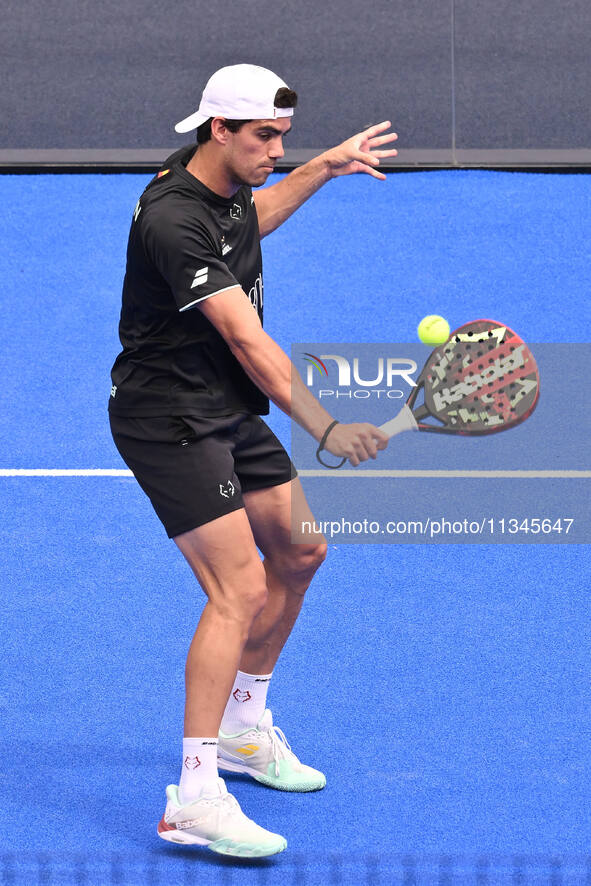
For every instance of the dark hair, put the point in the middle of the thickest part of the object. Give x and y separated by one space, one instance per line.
204 131
284 98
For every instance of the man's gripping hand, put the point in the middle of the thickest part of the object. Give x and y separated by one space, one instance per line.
357 442
359 154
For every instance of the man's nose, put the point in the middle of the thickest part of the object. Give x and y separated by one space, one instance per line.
276 151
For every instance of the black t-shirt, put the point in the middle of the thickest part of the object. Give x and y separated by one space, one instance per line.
186 244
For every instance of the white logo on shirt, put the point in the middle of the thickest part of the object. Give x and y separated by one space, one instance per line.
236 211
114 391
137 211
200 277
255 294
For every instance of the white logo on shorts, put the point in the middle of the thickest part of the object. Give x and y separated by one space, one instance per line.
228 490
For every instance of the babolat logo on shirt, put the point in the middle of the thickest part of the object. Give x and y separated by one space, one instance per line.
200 277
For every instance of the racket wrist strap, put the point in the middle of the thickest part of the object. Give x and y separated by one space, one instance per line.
321 447
326 433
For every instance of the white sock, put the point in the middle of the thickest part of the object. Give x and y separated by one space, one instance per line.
247 702
200 766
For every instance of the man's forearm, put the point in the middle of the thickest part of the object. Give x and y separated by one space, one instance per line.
273 372
275 204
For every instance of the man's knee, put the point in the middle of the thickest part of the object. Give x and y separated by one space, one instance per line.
317 554
302 560
249 598
240 596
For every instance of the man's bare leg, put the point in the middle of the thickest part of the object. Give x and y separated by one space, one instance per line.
224 558
252 606
289 569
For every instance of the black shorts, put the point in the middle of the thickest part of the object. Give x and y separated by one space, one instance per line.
195 469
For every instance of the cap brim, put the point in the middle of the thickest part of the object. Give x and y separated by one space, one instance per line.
190 123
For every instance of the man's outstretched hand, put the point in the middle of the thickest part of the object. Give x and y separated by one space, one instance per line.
359 153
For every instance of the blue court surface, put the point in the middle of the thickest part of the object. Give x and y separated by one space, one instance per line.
443 688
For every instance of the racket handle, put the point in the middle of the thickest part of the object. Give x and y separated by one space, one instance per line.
404 421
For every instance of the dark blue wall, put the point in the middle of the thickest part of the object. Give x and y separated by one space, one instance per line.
88 74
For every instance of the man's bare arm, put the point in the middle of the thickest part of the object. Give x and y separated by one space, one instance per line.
358 154
272 371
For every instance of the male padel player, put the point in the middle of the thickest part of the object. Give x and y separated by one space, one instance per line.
195 374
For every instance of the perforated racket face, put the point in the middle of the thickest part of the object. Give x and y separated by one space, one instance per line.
482 380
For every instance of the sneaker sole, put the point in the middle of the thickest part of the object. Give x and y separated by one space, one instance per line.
222 847
247 850
304 787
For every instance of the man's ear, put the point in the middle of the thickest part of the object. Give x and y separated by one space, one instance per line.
219 132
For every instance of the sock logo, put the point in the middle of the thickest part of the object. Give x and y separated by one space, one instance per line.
239 695
192 762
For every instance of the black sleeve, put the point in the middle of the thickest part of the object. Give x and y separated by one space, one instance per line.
186 254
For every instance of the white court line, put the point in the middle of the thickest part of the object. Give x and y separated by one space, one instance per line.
557 475
359 474
65 472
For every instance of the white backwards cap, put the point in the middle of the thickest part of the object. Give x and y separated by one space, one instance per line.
238 92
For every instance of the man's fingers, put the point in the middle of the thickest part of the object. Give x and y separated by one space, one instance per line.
383 154
365 157
357 442
371 161
362 453
383 139
381 439
373 172
375 130
371 441
375 156
368 449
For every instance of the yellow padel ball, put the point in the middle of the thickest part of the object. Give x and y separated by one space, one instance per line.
433 330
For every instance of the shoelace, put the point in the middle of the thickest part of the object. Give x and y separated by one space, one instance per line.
223 807
228 800
223 804
280 746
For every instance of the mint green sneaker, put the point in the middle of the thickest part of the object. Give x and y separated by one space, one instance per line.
216 820
264 752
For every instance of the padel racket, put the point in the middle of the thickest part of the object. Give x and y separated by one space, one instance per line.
482 380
